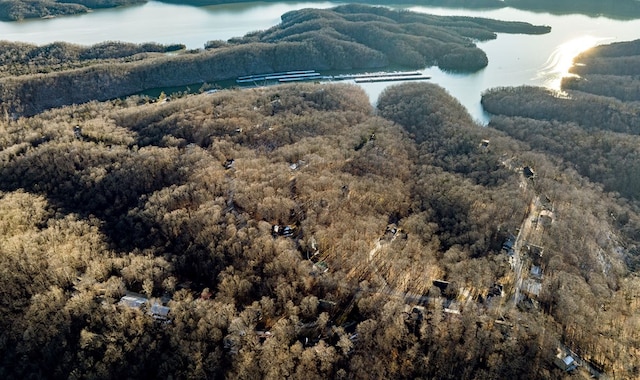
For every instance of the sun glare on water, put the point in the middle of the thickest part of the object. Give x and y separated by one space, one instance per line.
561 59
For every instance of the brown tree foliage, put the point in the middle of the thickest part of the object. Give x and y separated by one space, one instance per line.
294 231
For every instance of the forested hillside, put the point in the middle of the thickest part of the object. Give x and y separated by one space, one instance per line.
26 59
610 70
293 231
406 39
348 37
14 10
597 135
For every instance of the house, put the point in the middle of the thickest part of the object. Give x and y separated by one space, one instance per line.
536 272
440 284
159 312
285 231
297 165
532 288
508 244
495 291
77 132
565 362
133 300
528 172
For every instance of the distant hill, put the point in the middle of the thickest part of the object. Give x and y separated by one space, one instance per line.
610 70
347 37
618 9
13 10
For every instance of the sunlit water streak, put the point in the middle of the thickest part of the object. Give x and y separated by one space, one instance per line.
561 60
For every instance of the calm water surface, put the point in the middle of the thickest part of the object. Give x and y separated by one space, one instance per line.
513 59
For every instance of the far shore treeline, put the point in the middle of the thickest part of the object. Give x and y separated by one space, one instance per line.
34 78
12 10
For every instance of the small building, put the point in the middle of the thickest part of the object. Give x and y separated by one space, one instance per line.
321 266
297 165
284 231
77 132
565 362
453 308
495 291
206 294
440 284
159 312
528 172
536 271
133 300
263 335
531 288
508 245
390 232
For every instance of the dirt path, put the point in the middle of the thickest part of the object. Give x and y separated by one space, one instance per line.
526 233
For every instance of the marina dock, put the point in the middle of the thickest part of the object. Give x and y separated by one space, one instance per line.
312 75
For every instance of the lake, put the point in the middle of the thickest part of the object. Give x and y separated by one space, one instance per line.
514 60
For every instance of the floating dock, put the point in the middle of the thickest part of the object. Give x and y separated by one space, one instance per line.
384 74
391 78
306 75
298 79
277 76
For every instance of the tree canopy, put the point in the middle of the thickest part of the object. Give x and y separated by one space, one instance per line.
295 231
